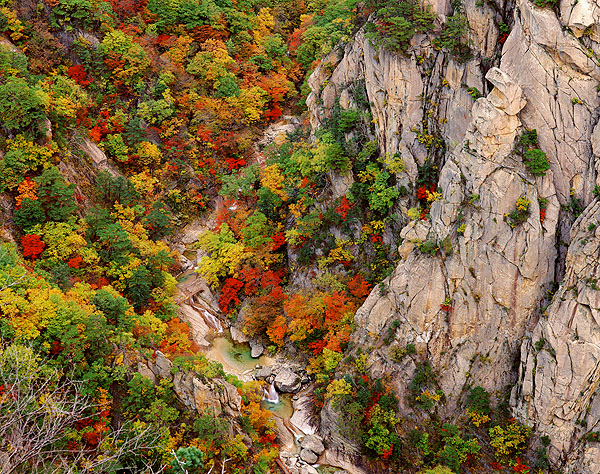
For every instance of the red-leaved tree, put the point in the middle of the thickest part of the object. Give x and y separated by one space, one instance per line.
33 245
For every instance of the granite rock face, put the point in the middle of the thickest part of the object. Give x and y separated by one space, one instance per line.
491 274
494 274
393 85
560 364
216 394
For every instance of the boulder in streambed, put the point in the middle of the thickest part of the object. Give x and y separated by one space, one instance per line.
256 348
287 381
308 469
313 443
263 373
308 456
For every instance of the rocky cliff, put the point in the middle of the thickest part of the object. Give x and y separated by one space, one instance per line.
475 307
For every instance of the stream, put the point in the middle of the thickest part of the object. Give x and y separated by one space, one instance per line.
194 298
235 357
236 360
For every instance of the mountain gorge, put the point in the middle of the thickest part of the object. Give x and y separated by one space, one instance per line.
299 236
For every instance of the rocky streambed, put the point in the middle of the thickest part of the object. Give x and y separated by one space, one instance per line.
287 385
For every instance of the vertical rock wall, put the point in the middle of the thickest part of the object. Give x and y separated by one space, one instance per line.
496 275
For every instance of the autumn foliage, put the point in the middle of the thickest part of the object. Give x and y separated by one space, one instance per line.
33 246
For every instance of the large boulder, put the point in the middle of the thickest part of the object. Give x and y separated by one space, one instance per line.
287 381
308 456
162 366
145 371
216 394
308 469
256 348
313 443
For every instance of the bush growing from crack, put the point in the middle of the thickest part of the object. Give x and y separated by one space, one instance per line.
536 162
520 214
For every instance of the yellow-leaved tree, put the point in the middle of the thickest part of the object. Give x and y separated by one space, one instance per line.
225 254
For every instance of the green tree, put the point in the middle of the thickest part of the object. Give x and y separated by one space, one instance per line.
22 106
257 231
114 243
111 189
186 460
211 427
115 308
158 221
536 162
139 286
55 195
30 214
12 63
456 449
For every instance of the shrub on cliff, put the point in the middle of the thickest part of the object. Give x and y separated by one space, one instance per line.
536 162
397 22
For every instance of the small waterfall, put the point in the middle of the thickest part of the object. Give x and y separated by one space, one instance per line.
208 317
213 320
271 394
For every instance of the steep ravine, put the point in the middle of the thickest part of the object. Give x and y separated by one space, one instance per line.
298 445
496 274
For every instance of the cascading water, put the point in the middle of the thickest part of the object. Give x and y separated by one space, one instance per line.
209 318
270 395
213 320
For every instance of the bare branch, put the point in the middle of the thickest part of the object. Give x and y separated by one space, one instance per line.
38 405
223 465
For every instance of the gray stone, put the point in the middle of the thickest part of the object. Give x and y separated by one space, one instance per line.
183 385
144 370
285 437
304 377
163 366
313 443
506 95
287 381
342 460
190 233
595 138
308 469
308 456
302 418
263 373
199 330
256 348
99 159
230 399
582 17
